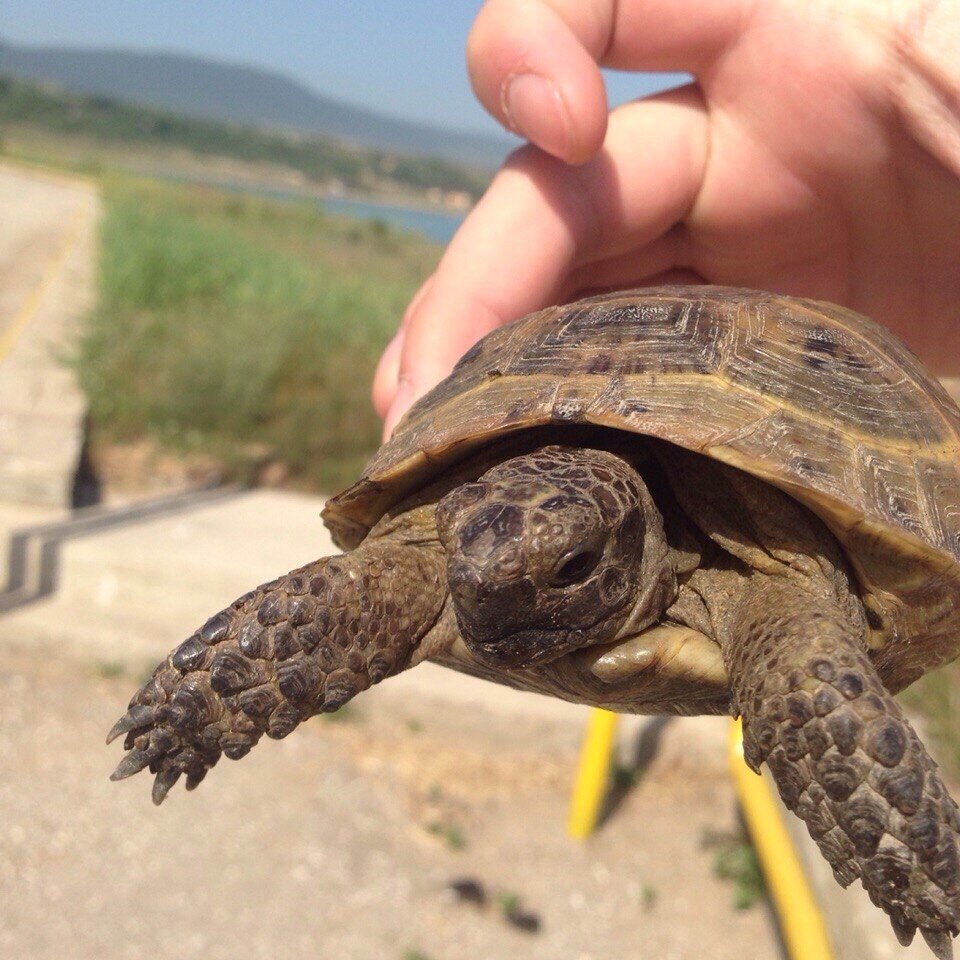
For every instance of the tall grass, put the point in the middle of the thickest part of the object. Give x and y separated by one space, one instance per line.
243 327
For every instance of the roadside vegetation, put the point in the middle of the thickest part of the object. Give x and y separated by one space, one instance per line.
242 328
937 698
320 159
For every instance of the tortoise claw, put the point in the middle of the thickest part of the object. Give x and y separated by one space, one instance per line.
940 942
132 763
194 778
904 929
165 779
136 717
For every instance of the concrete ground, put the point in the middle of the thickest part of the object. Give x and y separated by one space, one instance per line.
47 231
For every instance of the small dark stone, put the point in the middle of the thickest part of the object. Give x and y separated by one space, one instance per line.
468 890
523 920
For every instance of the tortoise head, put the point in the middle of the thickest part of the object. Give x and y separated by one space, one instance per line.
548 552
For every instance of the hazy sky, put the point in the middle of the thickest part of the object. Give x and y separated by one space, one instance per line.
403 57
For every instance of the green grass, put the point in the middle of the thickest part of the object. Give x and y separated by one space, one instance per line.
937 697
735 861
242 327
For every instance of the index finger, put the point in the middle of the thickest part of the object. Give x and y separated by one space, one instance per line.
534 64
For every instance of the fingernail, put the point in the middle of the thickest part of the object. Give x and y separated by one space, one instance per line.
534 108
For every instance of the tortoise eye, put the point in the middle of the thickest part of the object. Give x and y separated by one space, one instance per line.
575 567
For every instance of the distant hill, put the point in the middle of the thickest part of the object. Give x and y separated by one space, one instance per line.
324 161
239 94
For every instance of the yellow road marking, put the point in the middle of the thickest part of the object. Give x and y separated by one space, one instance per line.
590 784
30 306
801 923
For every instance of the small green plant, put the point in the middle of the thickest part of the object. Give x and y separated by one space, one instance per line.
109 669
452 835
414 726
414 955
648 896
348 713
508 902
735 861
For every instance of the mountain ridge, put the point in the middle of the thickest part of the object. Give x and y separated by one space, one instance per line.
238 93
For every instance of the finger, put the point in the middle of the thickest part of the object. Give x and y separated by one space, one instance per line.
633 268
533 63
385 377
533 74
540 219
388 367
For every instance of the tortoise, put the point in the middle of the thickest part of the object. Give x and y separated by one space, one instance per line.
686 500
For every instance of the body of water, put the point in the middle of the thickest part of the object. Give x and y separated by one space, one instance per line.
436 225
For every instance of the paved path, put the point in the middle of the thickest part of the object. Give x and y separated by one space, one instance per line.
46 262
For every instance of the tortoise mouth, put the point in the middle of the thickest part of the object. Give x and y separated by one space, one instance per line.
525 648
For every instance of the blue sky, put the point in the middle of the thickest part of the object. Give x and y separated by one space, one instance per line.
403 57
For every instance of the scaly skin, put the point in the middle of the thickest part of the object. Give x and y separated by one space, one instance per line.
844 757
303 644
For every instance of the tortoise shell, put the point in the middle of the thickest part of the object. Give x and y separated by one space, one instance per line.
815 399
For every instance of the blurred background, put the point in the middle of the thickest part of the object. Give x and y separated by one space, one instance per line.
212 216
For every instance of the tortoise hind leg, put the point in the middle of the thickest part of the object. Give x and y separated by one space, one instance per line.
844 757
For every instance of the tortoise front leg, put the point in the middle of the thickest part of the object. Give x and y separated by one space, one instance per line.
844 757
303 644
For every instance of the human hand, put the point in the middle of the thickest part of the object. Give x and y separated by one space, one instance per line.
817 154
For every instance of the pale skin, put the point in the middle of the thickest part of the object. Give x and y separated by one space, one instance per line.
817 153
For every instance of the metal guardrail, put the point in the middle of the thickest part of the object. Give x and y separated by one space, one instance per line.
801 923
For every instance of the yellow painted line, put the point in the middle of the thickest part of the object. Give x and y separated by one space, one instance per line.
801 923
30 306
593 772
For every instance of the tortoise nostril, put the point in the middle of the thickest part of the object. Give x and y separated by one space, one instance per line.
575 567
